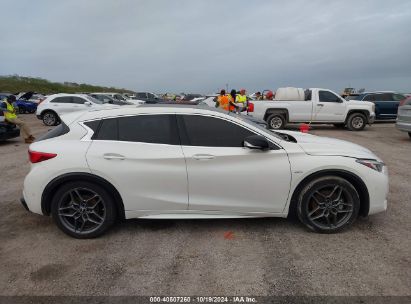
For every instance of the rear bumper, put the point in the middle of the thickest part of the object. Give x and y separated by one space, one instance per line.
403 126
10 134
23 202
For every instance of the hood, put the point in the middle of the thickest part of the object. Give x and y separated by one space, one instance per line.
326 146
354 102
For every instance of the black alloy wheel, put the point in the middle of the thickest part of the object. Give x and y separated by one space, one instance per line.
328 204
83 210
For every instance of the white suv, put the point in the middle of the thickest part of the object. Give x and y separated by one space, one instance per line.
181 162
50 109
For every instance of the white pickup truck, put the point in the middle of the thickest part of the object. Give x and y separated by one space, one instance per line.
316 106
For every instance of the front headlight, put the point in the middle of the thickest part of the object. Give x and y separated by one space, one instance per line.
372 163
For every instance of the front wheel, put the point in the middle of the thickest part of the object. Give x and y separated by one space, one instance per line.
50 119
276 121
356 122
328 204
83 209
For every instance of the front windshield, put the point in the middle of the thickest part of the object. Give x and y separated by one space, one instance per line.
250 120
94 100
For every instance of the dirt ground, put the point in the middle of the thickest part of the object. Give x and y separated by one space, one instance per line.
211 257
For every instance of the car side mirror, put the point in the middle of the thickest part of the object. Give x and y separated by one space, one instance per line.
88 103
256 142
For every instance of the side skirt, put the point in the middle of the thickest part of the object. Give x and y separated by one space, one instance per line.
187 214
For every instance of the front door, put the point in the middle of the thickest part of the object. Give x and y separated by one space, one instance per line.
224 176
329 108
142 157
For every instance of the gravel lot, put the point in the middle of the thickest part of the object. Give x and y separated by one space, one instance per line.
211 257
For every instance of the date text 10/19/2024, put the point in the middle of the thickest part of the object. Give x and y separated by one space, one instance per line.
234 299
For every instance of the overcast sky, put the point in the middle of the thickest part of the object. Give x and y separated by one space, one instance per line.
199 46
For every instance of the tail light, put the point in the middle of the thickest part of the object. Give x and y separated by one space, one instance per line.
250 107
37 157
402 102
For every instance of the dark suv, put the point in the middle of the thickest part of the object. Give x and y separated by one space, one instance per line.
386 103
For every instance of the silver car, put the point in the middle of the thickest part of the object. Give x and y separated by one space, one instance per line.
404 116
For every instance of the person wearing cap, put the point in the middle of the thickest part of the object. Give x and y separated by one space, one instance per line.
11 117
241 101
269 95
258 96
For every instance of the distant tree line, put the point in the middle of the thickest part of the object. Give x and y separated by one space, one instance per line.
15 83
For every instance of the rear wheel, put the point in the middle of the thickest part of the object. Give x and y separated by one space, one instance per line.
328 204
50 118
83 209
276 121
356 122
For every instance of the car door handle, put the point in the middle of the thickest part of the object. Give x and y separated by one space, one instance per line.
203 156
110 156
319 105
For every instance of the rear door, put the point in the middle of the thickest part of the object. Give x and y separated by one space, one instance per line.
225 177
329 108
61 105
142 157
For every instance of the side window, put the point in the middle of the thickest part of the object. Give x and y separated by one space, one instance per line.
141 95
108 130
149 95
156 129
325 96
78 100
308 95
385 97
212 132
398 97
369 97
65 99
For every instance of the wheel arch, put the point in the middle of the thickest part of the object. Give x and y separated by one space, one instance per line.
271 111
51 188
355 180
366 113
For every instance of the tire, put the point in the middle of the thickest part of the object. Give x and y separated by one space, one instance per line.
339 125
328 204
276 121
356 122
409 134
50 118
83 210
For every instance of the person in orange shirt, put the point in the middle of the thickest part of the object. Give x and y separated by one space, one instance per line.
223 101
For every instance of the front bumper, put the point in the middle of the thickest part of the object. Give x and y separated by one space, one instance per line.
371 119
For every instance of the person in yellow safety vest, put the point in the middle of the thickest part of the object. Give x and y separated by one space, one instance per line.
11 117
241 101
